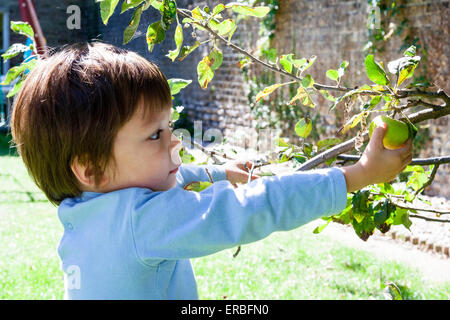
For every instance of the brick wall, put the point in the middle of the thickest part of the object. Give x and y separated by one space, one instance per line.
336 30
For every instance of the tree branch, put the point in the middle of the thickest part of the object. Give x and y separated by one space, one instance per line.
428 218
400 94
420 116
439 212
429 181
255 59
349 144
415 161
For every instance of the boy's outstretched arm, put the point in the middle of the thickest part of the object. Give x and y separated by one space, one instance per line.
377 164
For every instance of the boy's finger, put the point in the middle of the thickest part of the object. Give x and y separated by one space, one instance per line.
377 137
405 148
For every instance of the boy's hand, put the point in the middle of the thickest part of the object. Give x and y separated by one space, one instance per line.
377 164
237 173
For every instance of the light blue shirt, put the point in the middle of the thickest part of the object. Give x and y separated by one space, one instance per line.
136 244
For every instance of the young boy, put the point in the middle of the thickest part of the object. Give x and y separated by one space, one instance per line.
91 124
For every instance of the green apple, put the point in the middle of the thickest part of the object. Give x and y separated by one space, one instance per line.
397 131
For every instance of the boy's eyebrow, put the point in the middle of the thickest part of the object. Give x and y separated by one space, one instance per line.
148 124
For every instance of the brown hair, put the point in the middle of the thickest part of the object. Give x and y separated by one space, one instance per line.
73 103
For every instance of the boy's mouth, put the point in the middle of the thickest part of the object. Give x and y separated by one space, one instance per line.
174 170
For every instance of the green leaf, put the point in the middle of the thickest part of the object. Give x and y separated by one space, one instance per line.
155 34
185 156
375 71
16 88
198 14
372 104
320 228
267 91
299 63
282 143
286 62
22 28
342 68
412 129
360 201
270 54
186 50
204 72
300 158
353 121
380 217
130 4
14 50
403 68
156 4
309 63
226 26
178 37
15 72
327 143
405 74
327 95
218 9
330 161
130 30
216 58
174 116
197 186
401 216
107 8
415 168
246 10
176 113
177 84
301 93
346 216
417 180
168 11
411 51
365 227
302 128
307 81
333 74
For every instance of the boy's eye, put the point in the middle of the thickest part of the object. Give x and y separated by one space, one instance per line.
156 135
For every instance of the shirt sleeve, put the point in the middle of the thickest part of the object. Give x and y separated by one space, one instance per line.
190 173
180 224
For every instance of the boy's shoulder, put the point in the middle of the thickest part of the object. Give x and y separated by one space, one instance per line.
90 195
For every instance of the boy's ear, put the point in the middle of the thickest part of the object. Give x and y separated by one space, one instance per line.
85 174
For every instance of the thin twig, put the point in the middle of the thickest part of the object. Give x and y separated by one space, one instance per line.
430 179
209 175
212 153
439 212
428 219
237 252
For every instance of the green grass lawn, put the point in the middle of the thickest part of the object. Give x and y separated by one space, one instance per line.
286 265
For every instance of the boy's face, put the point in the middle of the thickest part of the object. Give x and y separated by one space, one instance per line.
146 153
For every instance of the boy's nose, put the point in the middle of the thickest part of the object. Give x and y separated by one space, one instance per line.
175 147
